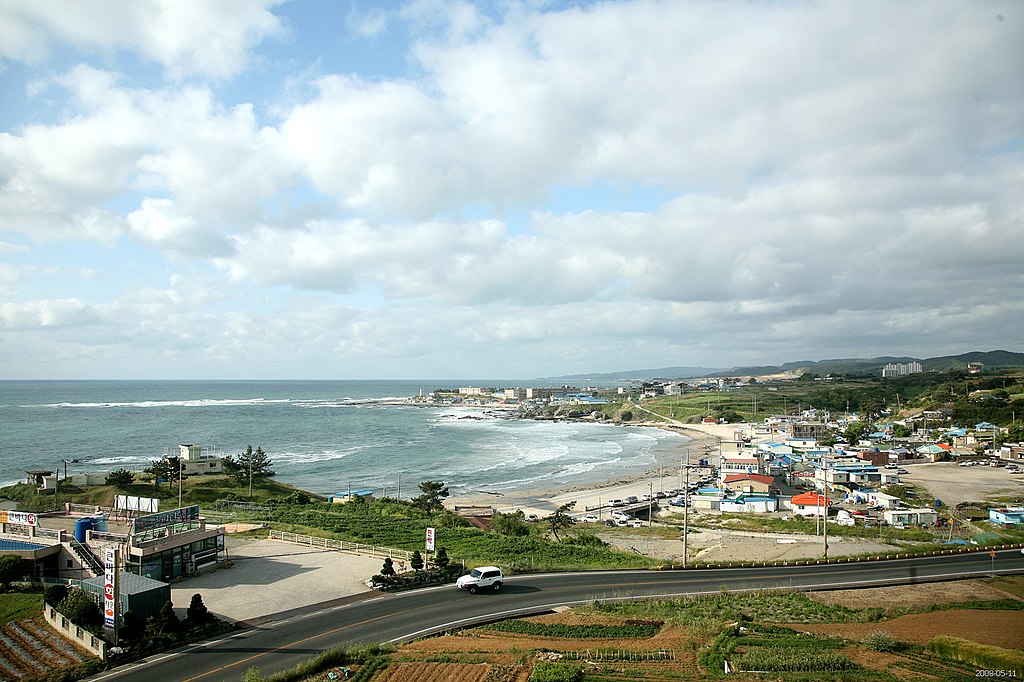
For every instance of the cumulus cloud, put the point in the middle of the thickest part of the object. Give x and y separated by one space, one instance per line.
808 176
186 37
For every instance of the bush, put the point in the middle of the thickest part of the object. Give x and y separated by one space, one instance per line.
546 671
884 642
980 655
197 612
80 609
55 594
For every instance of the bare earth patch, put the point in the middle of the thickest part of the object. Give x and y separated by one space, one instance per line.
999 628
920 595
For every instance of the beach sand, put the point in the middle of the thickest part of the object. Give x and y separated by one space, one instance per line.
712 545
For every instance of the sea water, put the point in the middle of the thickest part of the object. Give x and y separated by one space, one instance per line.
322 436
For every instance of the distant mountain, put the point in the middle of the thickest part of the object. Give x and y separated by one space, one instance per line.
628 377
995 359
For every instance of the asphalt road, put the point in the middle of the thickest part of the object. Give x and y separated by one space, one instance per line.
399 617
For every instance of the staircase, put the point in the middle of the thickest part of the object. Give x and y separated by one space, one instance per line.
30 648
85 555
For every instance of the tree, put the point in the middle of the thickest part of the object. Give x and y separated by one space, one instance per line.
416 561
560 519
121 478
169 621
251 466
12 567
512 524
441 558
388 569
168 469
133 627
197 611
79 608
433 493
901 431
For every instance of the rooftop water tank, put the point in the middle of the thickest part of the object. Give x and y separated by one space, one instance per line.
81 526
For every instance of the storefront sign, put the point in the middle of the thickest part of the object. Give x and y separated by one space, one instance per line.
430 539
24 518
167 518
110 589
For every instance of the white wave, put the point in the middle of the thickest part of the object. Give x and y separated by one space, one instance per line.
122 459
312 457
227 402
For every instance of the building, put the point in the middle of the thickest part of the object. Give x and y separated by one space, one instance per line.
194 462
1006 516
899 369
342 498
809 504
910 517
141 595
975 367
809 430
740 463
750 504
749 483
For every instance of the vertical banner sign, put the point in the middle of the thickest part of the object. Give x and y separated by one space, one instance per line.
430 539
109 596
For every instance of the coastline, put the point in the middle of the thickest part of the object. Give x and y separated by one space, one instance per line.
704 439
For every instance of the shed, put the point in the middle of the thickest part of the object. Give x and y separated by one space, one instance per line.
139 594
342 498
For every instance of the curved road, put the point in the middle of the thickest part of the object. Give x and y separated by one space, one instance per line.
407 615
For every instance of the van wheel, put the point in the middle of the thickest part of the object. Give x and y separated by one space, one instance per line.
496 586
472 589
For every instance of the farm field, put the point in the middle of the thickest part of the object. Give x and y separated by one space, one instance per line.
854 635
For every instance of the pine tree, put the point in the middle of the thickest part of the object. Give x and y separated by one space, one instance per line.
388 569
441 558
416 561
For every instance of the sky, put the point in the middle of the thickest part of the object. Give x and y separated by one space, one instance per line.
255 189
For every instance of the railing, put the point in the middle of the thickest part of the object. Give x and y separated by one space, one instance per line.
341 545
86 556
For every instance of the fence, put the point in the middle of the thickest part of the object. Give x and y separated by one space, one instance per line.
74 633
341 545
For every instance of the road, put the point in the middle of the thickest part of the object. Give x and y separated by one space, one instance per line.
400 617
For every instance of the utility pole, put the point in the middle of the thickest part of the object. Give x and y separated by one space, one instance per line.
650 505
825 514
180 464
400 473
686 507
250 478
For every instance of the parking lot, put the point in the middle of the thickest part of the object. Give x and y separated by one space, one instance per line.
953 484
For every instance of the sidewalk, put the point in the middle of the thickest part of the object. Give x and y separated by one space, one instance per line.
271 577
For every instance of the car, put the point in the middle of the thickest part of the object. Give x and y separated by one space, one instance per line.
891 466
660 495
646 497
637 523
532 517
632 499
678 502
622 523
484 577
589 518
616 502
858 512
618 514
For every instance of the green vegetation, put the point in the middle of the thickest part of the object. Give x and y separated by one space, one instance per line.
632 630
979 655
401 525
712 612
370 659
548 671
994 397
19 605
201 490
806 526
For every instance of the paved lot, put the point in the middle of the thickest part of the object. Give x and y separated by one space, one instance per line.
271 577
954 484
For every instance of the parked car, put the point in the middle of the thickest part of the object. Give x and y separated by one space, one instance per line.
632 499
678 502
485 577
532 517
619 514
637 523
589 518
616 502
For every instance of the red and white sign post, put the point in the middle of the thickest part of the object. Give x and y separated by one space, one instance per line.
111 568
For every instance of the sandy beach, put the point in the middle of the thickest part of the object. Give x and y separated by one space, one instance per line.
703 544
542 501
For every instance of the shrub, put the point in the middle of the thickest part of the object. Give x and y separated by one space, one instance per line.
55 594
884 642
980 655
546 671
80 609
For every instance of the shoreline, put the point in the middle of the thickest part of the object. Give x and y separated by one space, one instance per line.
704 438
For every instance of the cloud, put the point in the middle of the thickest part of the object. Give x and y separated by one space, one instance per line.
186 37
624 182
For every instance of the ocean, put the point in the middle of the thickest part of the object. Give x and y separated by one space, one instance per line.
322 436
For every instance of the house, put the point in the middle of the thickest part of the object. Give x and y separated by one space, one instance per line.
776 448
809 504
750 504
1006 516
910 517
878 499
748 483
740 463
342 498
193 461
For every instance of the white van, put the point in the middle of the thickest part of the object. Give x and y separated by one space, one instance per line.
481 578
